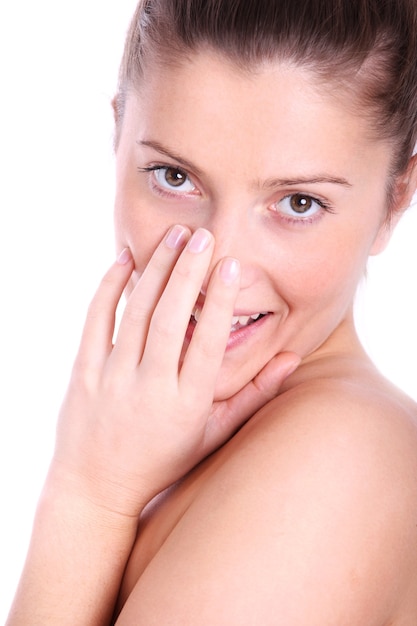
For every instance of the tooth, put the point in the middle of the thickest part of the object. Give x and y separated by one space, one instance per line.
234 320
197 313
244 319
255 316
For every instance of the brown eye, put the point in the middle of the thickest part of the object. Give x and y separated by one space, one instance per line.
301 207
174 177
174 180
300 203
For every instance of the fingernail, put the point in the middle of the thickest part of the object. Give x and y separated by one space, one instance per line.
176 237
199 241
229 270
124 257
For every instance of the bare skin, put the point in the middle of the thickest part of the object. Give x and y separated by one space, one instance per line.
268 491
340 479
218 548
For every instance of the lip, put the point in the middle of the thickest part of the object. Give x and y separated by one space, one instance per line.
236 313
237 337
241 313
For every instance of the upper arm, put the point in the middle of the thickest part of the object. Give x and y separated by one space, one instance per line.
311 519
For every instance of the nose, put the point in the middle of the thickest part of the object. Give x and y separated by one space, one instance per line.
234 237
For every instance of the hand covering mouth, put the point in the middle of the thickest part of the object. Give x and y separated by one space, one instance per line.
238 321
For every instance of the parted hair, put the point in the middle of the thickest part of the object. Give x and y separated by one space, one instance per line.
366 48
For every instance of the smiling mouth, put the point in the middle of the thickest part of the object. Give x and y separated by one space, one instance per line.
238 322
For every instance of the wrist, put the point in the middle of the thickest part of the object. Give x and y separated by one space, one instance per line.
76 558
102 501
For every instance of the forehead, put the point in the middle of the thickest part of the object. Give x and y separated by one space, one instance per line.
205 105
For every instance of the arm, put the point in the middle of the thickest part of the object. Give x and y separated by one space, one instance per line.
309 522
75 560
130 425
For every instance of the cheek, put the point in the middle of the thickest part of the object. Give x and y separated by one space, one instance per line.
137 224
137 228
327 274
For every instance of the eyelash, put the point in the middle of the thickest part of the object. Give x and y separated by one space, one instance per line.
157 188
306 220
298 221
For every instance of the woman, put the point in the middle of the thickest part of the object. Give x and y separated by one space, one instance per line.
232 456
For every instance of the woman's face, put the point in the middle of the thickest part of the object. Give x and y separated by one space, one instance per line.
284 176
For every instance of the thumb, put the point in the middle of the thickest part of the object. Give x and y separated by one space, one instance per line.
229 415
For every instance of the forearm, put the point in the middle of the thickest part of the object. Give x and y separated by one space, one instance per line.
132 424
75 562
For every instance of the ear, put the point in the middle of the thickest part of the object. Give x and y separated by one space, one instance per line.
117 115
403 192
115 108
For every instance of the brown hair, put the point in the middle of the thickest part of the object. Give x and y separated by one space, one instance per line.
368 46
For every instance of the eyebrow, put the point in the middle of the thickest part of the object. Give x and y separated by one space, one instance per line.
171 154
270 183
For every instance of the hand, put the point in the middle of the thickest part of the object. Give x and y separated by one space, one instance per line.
134 420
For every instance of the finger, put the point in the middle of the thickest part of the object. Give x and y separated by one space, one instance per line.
136 318
232 414
206 351
96 340
172 314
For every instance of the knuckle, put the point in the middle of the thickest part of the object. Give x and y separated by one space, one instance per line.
134 315
111 281
208 348
95 310
160 265
108 290
84 376
183 271
163 328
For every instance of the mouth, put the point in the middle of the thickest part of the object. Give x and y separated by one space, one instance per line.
238 321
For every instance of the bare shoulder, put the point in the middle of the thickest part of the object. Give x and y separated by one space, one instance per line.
308 516
349 438
359 415
361 425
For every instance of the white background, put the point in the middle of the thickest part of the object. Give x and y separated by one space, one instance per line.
58 69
